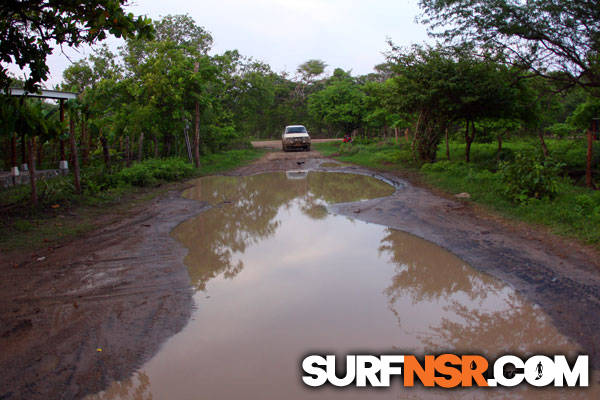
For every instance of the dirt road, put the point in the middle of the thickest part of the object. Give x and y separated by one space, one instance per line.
76 317
276 144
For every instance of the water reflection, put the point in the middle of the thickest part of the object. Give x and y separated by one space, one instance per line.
473 311
278 277
245 213
134 388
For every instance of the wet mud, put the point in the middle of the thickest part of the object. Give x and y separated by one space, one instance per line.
93 311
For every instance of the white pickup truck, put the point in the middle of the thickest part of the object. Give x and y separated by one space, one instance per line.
295 137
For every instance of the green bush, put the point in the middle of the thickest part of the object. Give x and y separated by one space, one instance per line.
152 172
530 176
56 190
364 140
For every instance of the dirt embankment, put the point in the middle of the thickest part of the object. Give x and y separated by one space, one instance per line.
92 311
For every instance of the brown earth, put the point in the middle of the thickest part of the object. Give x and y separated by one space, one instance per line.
276 144
76 317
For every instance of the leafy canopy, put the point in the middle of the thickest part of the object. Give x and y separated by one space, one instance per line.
29 29
543 35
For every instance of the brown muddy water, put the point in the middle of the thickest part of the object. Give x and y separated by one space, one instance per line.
277 277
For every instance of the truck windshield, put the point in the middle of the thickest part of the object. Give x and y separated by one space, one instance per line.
296 129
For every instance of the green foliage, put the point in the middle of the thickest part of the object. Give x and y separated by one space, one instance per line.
571 210
445 85
100 183
378 154
561 129
583 114
340 105
530 176
586 204
151 172
218 162
311 69
27 34
540 34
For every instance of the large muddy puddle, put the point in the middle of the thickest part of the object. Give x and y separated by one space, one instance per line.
277 277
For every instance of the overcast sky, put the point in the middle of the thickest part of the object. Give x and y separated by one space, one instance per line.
350 34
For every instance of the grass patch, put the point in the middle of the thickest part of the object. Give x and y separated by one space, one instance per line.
219 162
382 155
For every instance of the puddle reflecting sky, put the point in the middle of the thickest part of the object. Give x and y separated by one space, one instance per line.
277 277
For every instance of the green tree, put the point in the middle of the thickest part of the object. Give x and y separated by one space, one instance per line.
543 35
311 69
29 28
444 85
340 104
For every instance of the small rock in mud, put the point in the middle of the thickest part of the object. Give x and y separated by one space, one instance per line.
463 195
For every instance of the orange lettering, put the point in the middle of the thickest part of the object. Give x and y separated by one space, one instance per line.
412 367
454 373
473 368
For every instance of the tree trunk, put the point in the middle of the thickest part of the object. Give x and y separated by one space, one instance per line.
197 128
13 153
90 146
396 135
85 149
62 151
74 157
23 149
6 155
127 151
167 145
105 150
415 136
588 168
447 145
141 147
155 140
40 154
543 143
34 197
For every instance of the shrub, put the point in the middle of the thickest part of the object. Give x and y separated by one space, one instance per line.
151 172
530 176
56 190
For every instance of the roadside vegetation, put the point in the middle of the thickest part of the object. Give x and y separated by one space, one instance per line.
62 214
520 185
